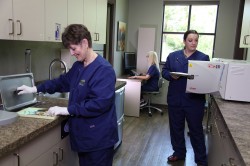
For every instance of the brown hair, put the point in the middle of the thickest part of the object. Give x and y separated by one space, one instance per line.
74 33
189 32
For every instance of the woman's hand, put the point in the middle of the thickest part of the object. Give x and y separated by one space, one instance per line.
58 111
26 89
132 77
175 77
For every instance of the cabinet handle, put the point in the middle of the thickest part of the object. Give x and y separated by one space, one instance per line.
18 158
12 27
61 152
223 135
212 131
245 39
209 128
56 156
20 27
231 161
96 36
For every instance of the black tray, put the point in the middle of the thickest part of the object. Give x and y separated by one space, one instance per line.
8 85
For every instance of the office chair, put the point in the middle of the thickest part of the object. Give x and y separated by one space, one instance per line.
149 96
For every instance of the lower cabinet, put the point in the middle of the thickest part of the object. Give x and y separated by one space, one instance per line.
48 149
59 154
221 147
10 160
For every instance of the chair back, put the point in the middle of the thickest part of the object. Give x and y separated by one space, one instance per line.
160 82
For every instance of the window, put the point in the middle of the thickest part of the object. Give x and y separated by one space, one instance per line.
180 17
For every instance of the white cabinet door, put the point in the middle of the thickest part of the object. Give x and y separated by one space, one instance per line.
40 145
245 29
22 19
75 12
60 154
29 19
66 156
55 19
10 160
49 158
6 20
101 21
89 16
95 17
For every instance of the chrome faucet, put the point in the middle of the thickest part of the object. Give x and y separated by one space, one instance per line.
52 63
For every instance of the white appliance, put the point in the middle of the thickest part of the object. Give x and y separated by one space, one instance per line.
119 104
206 76
235 81
231 78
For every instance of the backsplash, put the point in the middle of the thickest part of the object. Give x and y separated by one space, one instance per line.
12 57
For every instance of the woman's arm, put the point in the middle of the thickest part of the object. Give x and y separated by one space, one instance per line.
146 77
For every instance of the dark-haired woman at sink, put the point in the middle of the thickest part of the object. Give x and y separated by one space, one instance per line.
91 83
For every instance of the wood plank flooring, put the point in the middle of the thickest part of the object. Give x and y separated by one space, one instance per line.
146 142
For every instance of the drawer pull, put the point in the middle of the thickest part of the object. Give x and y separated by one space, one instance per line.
245 39
55 156
18 158
231 162
61 154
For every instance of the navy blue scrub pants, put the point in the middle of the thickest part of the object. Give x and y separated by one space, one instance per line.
194 117
103 157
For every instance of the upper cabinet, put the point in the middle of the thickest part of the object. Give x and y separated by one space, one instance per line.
245 30
55 19
45 20
75 12
6 20
19 21
95 18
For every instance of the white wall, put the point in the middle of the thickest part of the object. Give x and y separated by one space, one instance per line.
144 13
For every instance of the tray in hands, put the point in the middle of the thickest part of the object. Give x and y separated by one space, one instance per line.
180 74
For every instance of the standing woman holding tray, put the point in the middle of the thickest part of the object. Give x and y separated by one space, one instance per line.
184 106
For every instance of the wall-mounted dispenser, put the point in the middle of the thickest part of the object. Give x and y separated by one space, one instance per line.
28 61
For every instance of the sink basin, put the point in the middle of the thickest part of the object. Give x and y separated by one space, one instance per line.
57 95
7 117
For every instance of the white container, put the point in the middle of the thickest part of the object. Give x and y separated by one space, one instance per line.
231 78
235 81
206 76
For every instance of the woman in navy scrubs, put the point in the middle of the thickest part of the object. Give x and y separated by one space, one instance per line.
91 82
152 76
185 106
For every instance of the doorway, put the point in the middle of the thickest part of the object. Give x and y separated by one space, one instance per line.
109 48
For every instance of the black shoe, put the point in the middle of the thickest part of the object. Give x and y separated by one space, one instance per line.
174 158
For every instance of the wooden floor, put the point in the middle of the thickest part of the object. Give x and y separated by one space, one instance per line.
146 142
